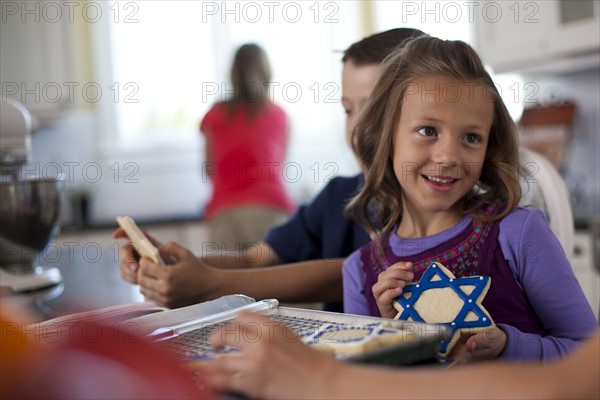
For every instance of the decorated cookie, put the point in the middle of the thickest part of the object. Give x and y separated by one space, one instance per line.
440 297
349 339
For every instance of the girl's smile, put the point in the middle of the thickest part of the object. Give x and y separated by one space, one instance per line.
439 183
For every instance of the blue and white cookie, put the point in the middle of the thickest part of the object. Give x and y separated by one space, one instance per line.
440 297
349 339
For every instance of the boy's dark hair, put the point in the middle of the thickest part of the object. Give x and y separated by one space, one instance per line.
375 48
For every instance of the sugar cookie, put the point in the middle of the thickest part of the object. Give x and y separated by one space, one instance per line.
140 242
440 297
350 339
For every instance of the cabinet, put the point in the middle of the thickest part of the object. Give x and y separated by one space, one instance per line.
36 57
529 36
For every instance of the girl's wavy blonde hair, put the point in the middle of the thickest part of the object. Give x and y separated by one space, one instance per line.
378 205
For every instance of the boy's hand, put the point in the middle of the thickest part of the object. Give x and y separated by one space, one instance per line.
390 285
183 281
129 258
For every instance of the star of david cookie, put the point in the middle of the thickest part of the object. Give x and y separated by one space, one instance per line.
349 339
439 297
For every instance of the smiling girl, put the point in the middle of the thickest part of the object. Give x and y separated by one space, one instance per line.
441 159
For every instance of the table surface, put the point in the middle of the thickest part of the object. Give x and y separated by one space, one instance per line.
90 279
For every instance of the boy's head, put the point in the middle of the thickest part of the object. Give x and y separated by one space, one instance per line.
361 68
375 48
373 137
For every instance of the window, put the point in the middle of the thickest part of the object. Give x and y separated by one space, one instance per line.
170 62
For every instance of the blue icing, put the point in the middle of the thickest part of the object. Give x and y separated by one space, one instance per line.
469 300
331 329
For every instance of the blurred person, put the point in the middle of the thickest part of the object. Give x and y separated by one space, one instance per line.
85 358
316 239
273 363
246 142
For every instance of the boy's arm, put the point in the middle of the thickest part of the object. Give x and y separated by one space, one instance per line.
256 256
307 281
189 280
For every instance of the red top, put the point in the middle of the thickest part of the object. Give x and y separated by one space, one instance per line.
247 157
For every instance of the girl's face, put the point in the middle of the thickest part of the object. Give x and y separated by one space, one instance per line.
357 84
440 142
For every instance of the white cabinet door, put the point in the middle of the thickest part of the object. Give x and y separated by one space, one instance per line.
35 57
510 33
518 35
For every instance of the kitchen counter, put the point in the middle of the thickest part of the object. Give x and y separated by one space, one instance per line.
88 261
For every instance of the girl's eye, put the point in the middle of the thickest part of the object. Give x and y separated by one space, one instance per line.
427 131
472 138
347 112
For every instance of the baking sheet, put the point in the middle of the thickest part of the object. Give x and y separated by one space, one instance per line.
189 340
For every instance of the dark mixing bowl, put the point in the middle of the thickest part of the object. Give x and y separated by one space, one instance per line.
29 211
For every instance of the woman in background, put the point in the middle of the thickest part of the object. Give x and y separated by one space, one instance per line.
246 141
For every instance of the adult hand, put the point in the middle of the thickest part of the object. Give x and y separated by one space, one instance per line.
272 362
128 257
481 346
183 281
390 284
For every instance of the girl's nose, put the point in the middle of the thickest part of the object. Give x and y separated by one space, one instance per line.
445 153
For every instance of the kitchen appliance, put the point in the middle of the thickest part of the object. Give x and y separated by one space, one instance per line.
29 206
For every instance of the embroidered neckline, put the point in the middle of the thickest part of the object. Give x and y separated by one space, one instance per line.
470 243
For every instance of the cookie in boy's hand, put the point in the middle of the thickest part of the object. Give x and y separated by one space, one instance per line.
351 339
440 297
140 242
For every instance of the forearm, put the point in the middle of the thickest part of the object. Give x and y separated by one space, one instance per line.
258 256
497 380
309 281
350 382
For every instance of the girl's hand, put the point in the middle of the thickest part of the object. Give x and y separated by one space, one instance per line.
481 346
273 363
390 285
129 258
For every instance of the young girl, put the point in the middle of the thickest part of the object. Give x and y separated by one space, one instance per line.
440 152
245 135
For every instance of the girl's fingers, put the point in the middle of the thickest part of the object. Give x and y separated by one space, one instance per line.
390 295
405 265
397 273
381 286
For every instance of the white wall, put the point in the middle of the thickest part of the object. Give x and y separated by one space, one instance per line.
160 182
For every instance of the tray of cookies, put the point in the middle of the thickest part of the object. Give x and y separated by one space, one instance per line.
351 338
362 339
